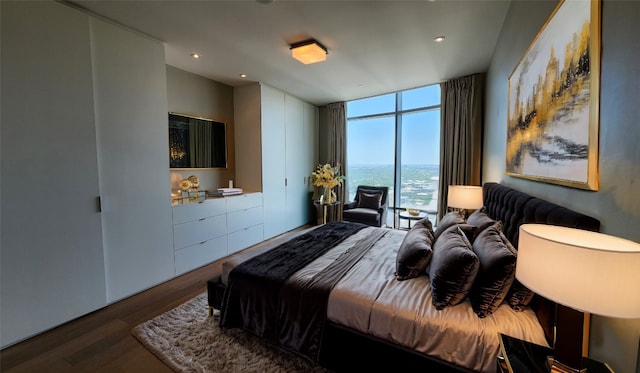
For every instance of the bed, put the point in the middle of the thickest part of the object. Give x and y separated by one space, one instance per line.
348 305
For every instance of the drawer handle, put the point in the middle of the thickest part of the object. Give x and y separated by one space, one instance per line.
203 242
201 219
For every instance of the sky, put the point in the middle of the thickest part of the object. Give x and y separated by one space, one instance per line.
371 141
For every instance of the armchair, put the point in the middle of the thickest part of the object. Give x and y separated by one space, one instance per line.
369 206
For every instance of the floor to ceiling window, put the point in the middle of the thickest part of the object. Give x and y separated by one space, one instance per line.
394 140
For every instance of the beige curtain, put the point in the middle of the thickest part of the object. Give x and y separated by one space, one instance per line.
460 135
336 127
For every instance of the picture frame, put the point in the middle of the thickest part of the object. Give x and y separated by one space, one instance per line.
553 100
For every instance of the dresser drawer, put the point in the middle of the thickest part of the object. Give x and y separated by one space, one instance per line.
203 229
245 218
243 202
195 211
244 238
194 256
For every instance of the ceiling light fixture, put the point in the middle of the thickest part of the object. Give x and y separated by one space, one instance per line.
243 75
195 55
308 51
438 39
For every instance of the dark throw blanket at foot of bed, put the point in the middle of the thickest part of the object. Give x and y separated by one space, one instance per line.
258 297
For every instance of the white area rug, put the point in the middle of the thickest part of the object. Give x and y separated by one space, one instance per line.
188 340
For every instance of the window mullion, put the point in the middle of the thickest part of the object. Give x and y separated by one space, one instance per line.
398 160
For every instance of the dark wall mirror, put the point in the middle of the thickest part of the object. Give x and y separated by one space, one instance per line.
196 142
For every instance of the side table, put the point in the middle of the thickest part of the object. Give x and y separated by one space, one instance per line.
403 215
518 356
326 212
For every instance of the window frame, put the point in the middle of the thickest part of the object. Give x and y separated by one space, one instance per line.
397 114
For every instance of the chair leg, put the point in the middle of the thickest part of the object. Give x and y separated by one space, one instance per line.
212 312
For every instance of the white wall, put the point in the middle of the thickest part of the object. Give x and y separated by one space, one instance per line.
616 204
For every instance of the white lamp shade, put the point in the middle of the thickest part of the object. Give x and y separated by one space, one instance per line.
465 197
587 271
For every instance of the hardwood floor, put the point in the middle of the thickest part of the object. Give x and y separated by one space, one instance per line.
102 341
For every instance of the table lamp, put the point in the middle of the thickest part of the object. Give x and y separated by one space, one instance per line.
581 271
464 197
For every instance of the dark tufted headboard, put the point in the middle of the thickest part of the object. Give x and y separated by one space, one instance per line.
514 208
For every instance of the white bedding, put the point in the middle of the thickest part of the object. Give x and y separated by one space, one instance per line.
369 299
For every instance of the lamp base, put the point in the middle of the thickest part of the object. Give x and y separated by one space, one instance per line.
558 367
460 211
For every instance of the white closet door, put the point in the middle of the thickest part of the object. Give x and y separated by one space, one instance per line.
273 161
52 267
132 119
296 161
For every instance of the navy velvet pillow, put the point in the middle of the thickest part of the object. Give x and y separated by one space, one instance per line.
496 273
519 296
415 250
453 268
369 200
480 219
447 221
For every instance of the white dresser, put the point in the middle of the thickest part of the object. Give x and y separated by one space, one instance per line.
207 231
244 221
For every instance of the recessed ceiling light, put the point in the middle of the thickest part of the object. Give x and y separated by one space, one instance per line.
438 39
195 55
243 75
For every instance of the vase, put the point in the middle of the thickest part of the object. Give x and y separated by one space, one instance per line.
326 198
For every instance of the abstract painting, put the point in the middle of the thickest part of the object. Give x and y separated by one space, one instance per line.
553 108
